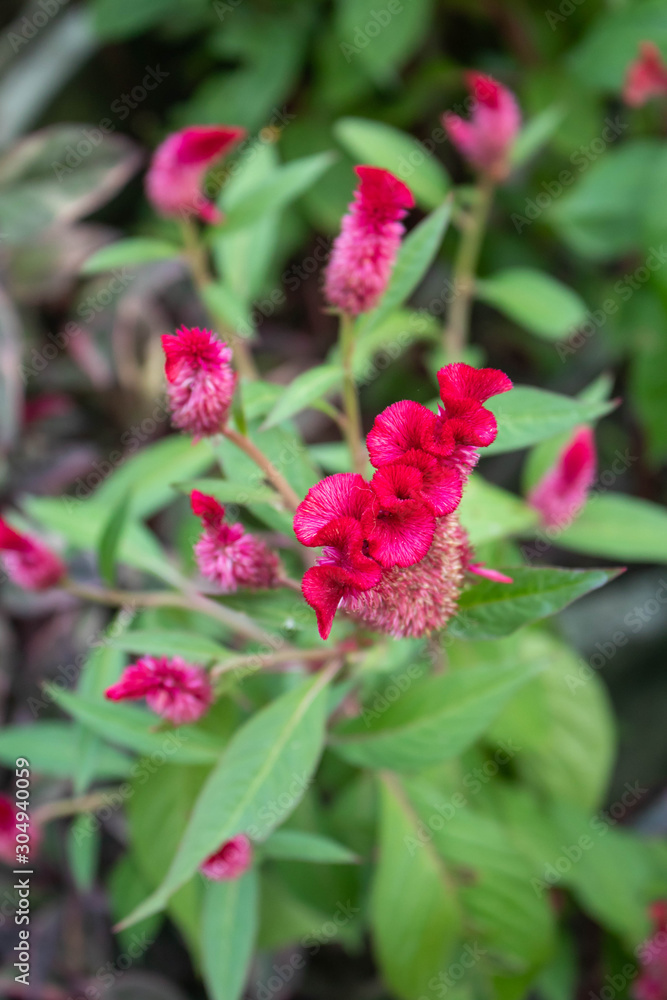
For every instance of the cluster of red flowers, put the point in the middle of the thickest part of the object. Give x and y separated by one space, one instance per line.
393 553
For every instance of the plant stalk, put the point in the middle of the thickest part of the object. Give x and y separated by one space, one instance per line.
277 480
353 428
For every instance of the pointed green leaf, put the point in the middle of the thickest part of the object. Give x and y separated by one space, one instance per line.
619 527
435 719
258 781
283 186
534 300
298 845
128 253
488 512
53 749
489 610
415 914
229 929
170 642
303 392
110 539
526 415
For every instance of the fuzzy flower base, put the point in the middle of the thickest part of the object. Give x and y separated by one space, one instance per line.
419 599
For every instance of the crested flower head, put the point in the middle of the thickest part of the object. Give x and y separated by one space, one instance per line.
364 253
394 553
230 861
563 490
27 562
227 554
646 76
486 139
651 983
11 823
178 167
200 379
174 689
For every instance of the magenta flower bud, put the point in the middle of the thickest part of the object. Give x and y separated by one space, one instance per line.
563 490
28 563
176 690
178 167
230 861
364 253
646 76
227 554
486 140
201 380
394 553
651 983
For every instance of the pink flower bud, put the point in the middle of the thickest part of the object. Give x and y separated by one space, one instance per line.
646 76
563 490
486 140
173 689
651 983
227 554
178 167
364 253
9 818
230 861
200 378
27 562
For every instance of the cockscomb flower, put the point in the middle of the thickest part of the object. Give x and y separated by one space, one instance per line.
394 553
651 983
178 691
27 562
364 253
178 167
200 380
563 490
486 139
646 76
10 825
230 861
229 555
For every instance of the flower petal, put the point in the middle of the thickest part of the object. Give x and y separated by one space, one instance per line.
403 426
343 495
402 533
462 381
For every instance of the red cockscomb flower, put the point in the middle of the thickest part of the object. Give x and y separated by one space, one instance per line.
230 861
364 253
646 76
229 555
394 553
200 378
486 140
173 689
176 173
27 562
563 490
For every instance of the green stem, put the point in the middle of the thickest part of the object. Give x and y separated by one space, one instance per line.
465 267
198 261
353 428
276 478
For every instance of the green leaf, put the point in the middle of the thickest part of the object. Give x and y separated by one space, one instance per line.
283 186
229 929
602 57
111 537
298 845
303 391
619 527
113 19
489 610
170 642
488 513
259 780
435 719
534 300
129 253
130 726
53 749
418 250
563 722
227 307
83 851
415 914
381 145
526 415
229 492
536 133
379 41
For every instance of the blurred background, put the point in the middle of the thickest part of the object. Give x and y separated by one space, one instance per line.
88 89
